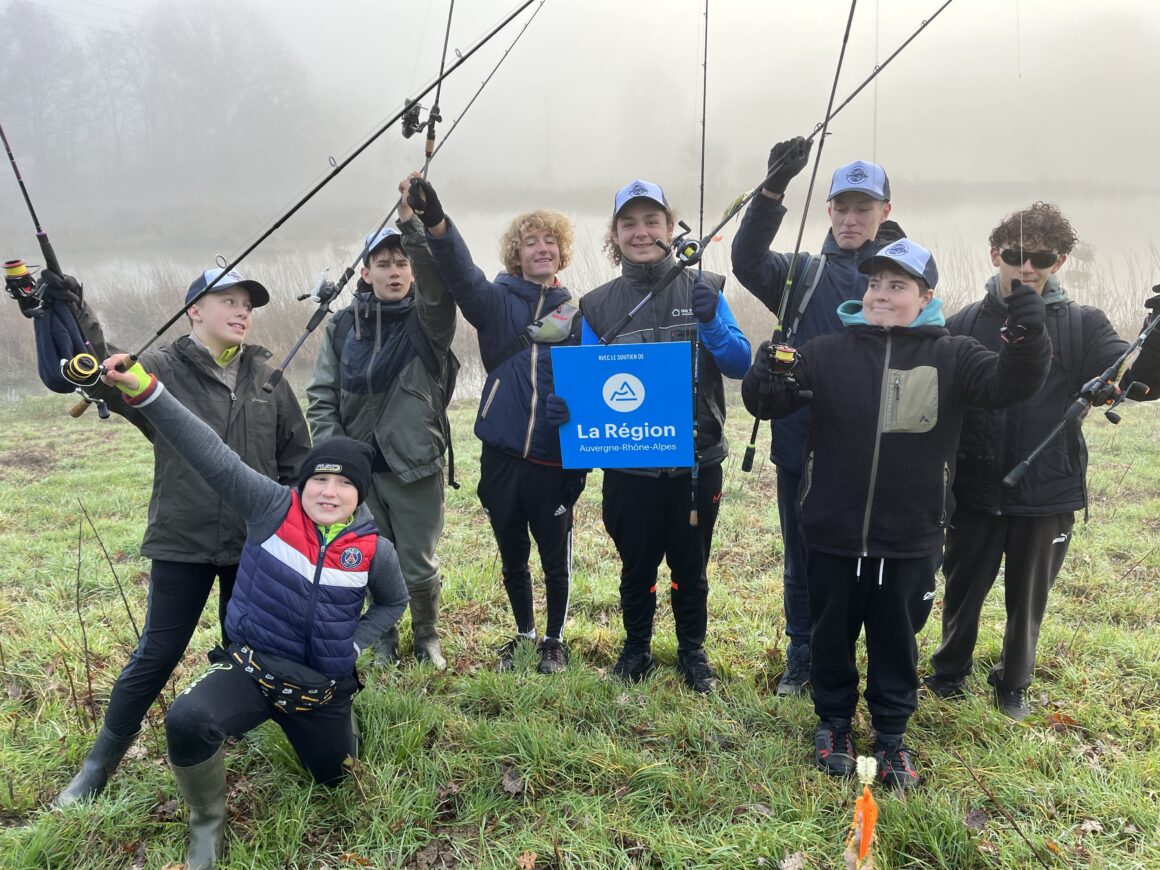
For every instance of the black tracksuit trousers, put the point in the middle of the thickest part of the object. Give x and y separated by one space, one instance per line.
648 520
977 543
892 598
521 496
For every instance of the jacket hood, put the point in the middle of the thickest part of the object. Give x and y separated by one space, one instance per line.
851 314
530 290
1052 291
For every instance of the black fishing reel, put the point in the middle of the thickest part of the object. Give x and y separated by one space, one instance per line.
412 122
20 284
688 250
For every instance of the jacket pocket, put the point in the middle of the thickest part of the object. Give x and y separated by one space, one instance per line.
490 398
911 400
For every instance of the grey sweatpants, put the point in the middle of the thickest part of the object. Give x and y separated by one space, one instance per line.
410 516
1034 549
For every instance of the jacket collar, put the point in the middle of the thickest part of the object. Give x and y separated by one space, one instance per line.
645 275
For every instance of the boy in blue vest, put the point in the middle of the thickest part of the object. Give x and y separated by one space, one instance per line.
888 395
312 554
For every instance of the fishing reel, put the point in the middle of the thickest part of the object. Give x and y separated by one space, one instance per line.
322 292
688 251
84 372
412 122
20 284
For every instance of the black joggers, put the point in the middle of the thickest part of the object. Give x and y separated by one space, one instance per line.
648 520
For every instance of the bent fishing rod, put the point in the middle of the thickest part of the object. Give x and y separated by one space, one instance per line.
325 292
1101 390
336 168
690 251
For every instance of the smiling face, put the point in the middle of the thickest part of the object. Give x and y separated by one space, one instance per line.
639 226
894 298
221 319
539 256
855 218
1026 271
389 273
329 498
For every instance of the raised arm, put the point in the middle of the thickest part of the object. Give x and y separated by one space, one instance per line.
436 306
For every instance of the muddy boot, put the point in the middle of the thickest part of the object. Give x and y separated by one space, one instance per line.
387 647
424 616
204 788
98 766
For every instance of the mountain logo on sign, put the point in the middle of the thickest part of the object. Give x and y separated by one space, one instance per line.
623 393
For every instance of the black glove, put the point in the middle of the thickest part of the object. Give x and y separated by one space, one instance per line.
557 409
786 159
773 380
705 297
59 288
1026 313
425 202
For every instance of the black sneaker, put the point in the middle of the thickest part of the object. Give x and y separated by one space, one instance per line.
553 655
507 653
945 687
797 672
1012 702
895 765
635 663
834 747
698 673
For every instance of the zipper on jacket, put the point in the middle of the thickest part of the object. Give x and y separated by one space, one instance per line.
877 446
897 400
942 520
490 399
533 376
307 653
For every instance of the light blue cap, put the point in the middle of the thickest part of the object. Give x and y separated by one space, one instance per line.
259 295
861 177
377 240
910 256
638 189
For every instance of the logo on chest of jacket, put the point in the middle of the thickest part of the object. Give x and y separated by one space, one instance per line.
351 557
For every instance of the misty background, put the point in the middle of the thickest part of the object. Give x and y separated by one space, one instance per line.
156 135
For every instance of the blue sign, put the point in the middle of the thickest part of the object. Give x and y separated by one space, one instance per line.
630 405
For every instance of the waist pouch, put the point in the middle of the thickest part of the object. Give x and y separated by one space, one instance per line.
286 696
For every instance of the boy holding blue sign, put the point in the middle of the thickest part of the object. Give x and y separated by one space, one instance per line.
646 510
888 396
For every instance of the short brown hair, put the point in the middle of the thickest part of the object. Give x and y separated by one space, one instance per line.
1042 222
534 221
612 249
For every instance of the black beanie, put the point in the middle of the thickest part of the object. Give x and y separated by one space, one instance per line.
339 455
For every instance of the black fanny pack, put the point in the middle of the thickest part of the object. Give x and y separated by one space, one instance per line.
286 696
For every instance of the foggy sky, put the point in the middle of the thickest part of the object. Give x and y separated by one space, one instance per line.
1041 99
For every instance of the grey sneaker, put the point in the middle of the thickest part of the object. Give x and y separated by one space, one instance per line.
1012 702
553 656
834 747
797 672
507 653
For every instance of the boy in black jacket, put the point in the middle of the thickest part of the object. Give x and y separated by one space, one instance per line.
887 396
1027 527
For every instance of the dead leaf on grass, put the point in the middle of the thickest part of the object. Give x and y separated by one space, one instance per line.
1090 826
512 782
136 752
976 819
166 811
1062 723
527 861
352 858
796 861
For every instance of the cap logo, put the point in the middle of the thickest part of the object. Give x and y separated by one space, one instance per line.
898 249
325 467
351 557
234 275
857 175
638 189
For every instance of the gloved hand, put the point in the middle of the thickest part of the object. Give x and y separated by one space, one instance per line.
59 288
425 202
557 408
1026 313
773 380
704 300
786 159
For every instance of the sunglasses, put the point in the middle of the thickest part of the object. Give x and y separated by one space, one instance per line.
1039 259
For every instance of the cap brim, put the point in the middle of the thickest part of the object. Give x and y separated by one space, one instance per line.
862 190
867 266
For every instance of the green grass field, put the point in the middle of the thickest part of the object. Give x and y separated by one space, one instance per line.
476 769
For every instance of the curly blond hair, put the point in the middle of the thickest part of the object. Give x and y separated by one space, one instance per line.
1042 222
531 222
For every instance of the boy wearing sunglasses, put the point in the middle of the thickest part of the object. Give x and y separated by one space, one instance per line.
1027 526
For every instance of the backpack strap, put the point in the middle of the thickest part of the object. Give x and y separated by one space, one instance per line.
803 292
1071 347
343 324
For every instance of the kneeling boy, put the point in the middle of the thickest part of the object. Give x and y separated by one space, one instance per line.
887 397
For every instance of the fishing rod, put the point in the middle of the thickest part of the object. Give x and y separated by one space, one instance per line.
783 357
21 285
1101 390
325 292
695 476
690 251
336 168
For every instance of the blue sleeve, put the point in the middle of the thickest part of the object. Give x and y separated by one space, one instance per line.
724 339
476 297
587 336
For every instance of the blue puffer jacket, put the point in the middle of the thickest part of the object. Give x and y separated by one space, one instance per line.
301 599
512 415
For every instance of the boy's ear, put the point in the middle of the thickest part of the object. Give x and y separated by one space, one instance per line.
364 272
926 296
